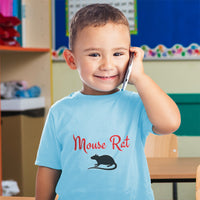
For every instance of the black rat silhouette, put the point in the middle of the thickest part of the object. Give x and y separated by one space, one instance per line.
103 160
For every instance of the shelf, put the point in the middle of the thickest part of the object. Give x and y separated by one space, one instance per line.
31 63
21 49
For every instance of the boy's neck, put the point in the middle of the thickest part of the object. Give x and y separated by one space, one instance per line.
95 92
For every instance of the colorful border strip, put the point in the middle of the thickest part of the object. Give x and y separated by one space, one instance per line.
177 52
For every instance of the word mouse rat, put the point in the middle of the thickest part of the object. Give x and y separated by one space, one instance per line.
104 160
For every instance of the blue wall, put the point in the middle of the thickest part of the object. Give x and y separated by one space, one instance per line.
166 22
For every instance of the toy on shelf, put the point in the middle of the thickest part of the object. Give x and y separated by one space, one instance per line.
8 32
18 89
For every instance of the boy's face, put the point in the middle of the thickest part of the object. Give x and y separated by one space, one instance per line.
101 56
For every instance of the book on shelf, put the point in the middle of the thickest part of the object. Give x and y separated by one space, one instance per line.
6 7
25 19
17 13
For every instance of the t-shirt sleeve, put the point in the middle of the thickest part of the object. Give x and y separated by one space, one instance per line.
48 154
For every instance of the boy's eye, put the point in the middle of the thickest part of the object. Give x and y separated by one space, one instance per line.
117 54
94 55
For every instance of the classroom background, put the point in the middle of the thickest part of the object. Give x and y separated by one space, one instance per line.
168 32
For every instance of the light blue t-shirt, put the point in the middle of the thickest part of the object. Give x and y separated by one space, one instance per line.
98 143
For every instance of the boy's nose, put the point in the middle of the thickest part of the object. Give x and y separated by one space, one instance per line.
106 64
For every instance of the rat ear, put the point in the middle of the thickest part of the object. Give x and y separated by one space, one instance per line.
69 58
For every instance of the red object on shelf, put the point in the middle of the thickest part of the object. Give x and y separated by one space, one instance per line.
9 42
9 21
8 32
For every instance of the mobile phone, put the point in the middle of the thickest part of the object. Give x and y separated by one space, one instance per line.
128 72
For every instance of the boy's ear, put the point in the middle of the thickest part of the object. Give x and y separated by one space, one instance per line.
69 58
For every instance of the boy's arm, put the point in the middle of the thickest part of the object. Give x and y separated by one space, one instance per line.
161 109
46 181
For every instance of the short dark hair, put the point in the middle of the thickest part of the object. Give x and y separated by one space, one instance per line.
94 15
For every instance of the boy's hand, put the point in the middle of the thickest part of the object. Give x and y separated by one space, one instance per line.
138 69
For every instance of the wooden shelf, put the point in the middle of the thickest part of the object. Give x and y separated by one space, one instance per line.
31 63
22 49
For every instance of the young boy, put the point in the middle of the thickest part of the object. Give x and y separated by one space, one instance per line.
92 147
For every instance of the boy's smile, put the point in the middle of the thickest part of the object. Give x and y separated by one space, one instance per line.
101 55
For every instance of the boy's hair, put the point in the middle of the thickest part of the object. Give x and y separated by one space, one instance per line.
94 15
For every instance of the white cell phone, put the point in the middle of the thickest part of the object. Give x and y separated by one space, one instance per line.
128 72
